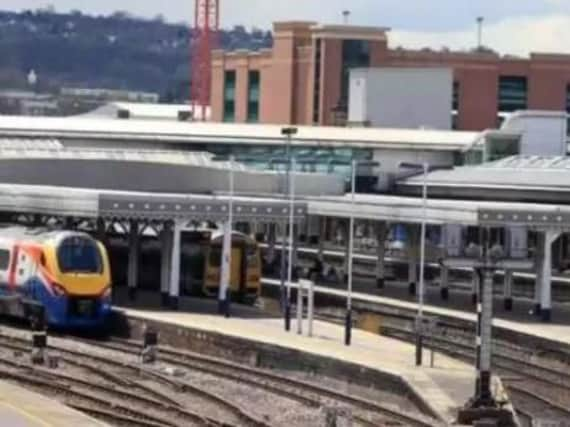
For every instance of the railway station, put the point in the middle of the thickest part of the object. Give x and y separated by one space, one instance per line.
339 257
146 202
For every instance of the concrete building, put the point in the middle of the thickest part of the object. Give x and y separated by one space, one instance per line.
395 97
304 78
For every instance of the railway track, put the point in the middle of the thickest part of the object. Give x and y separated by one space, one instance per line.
147 397
364 412
538 390
154 397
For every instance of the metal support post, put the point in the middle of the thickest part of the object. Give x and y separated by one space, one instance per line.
422 290
174 290
546 280
345 266
300 291
310 307
272 232
348 321
508 290
322 238
539 270
225 276
166 240
419 340
412 258
133 267
285 304
484 338
475 286
291 237
444 278
381 231
224 293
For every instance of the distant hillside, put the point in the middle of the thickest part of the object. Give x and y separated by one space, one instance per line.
118 51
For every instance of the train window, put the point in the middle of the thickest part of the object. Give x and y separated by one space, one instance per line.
215 256
251 256
79 255
4 259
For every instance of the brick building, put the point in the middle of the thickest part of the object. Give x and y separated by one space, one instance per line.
303 79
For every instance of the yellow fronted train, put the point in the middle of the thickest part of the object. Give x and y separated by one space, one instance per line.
66 272
201 265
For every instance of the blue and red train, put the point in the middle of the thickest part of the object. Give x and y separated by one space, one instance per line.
66 272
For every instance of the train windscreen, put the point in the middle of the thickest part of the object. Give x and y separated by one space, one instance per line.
79 254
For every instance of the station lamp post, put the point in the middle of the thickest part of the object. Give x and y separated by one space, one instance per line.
287 280
425 169
224 294
288 133
354 164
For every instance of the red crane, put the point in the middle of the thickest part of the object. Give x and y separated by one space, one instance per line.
206 26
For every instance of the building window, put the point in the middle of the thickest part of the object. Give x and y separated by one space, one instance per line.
568 108
230 96
253 96
317 84
512 93
455 102
355 54
455 106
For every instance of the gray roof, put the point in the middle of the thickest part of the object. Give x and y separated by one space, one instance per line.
180 172
29 144
535 178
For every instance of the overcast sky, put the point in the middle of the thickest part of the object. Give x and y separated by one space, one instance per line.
512 26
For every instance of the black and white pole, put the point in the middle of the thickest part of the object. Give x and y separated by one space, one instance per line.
484 337
285 288
348 318
39 335
224 295
291 238
421 295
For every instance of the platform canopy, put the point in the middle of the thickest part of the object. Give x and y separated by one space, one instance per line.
124 205
518 178
145 170
400 209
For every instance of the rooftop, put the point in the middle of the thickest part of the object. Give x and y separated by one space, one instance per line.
514 178
227 133
140 110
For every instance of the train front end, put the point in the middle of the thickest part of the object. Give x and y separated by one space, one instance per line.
81 282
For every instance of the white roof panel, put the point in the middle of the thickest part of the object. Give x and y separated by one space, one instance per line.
517 172
171 131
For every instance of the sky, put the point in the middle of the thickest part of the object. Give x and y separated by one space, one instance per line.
511 26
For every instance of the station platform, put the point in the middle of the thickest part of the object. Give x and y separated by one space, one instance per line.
22 408
444 388
459 306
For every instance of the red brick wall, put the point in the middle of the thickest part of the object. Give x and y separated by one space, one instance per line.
478 94
331 78
547 87
217 91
